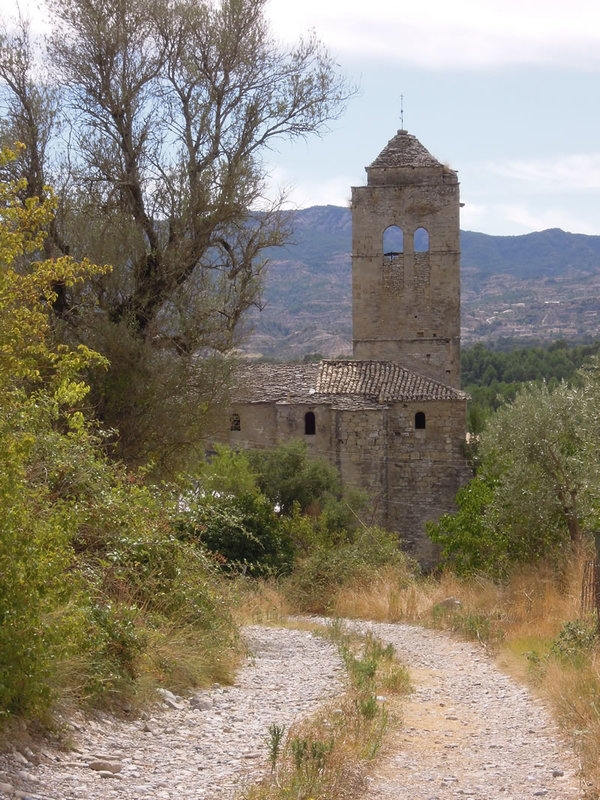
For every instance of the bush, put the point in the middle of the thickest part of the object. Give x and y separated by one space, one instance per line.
288 476
256 511
317 577
35 557
243 533
575 642
468 545
89 562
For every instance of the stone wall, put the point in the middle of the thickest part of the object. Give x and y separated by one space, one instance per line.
426 467
406 307
411 475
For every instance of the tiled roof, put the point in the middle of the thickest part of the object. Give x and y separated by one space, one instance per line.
342 383
404 150
384 380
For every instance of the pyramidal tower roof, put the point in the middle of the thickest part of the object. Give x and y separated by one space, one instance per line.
404 150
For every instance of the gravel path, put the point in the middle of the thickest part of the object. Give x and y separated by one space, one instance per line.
468 731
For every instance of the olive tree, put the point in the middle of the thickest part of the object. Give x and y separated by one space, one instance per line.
152 119
537 487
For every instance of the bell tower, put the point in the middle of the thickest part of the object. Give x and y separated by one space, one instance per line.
406 262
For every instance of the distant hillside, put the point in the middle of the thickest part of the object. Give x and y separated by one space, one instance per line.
541 286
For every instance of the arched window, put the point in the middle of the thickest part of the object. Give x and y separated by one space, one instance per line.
310 426
421 240
420 420
235 423
393 241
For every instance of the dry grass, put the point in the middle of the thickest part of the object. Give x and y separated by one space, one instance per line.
574 693
519 622
387 596
326 756
180 658
259 602
320 759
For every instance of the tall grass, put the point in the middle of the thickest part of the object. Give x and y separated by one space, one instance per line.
532 624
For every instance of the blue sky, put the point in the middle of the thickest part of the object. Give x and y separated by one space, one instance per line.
507 93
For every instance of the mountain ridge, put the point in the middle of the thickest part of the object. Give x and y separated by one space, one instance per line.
540 286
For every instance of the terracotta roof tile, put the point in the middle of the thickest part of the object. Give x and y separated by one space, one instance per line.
341 383
384 380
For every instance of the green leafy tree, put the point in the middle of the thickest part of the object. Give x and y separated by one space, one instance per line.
535 449
91 572
493 377
469 541
536 494
242 531
224 510
227 472
259 510
290 477
40 394
168 109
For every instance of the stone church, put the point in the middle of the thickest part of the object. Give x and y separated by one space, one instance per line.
392 418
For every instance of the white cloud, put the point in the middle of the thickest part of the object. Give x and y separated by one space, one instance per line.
472 216
437 33
542 219
33 10
574 172
434 34
334 190
512 219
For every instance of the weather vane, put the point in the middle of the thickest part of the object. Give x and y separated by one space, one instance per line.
402 112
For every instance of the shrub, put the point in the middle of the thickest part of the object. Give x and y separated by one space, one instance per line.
468 544
288 476
90 567
35 557
243 533
255 511
575 642
318 576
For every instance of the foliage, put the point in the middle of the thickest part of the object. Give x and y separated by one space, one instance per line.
35 555
258 510
482 366
227 472
290 477
243 532
327 568
493 377
91 569
39 395
537 491
536 448
468 545
152 120
141 580
576 640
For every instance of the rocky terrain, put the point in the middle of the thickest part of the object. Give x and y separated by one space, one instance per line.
467 731
540 286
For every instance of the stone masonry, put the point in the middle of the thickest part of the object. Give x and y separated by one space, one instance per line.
392 419
406 300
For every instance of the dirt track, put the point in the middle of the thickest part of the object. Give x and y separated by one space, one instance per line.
468 731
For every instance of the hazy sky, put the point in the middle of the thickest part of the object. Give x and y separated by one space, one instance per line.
507 92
